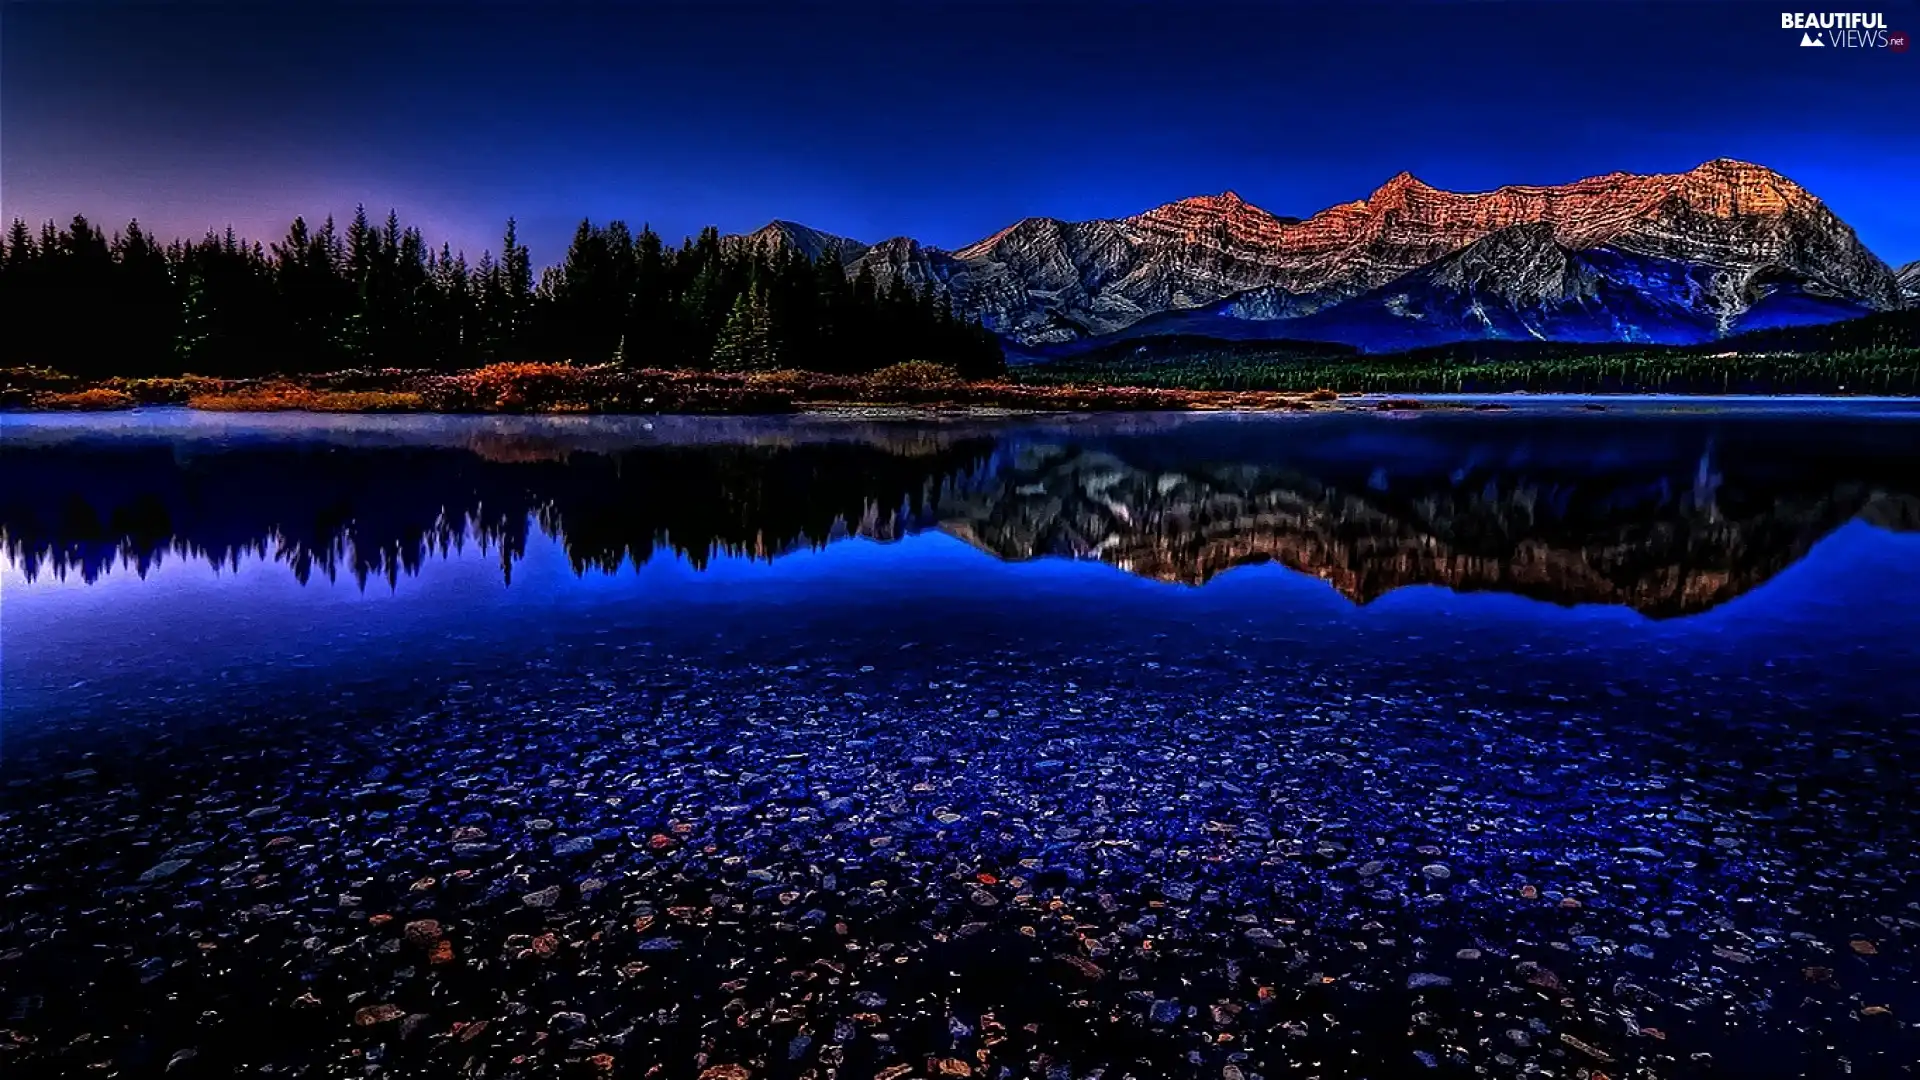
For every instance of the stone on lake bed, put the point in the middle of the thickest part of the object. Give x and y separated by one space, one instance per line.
412 1023
1085 967
566 1023
1222 873
377 1014
166 869
1264 938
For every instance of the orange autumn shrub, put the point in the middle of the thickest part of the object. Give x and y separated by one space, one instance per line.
515 387
915 374
94 399
166 391
286 397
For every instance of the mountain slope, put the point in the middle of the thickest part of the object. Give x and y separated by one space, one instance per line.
1909 276
1520 283
1665 543
811 243
1744 234
1742 220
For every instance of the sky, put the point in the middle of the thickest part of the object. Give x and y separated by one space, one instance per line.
943 121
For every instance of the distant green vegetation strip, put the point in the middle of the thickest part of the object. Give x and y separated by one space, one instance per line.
1875 355
1862 371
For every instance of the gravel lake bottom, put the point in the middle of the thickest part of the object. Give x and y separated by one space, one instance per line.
1323 746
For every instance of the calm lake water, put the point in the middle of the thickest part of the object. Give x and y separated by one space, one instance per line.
1552 741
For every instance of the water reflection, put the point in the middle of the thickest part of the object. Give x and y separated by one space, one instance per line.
972 773
1666 514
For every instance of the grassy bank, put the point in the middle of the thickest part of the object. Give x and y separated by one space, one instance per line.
1878 354
1865 371
561 388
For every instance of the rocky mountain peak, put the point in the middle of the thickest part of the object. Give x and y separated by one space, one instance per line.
1026 226
1226 202
780 235
1726 187
1225 218
1396 191
1047 281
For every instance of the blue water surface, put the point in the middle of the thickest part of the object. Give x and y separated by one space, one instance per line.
1554 738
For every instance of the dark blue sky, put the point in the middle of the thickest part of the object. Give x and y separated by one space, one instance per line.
943 121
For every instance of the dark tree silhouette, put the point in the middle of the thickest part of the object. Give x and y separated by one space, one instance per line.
375 295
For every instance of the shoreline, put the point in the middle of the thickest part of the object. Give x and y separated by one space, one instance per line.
903 390
1197 403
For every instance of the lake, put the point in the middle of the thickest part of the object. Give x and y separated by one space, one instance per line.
1565 740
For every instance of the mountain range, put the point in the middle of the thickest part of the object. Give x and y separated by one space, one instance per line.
1669 519
1674 258
1664 550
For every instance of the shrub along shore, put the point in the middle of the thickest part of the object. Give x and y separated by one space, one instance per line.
533 388
607 388
1878 354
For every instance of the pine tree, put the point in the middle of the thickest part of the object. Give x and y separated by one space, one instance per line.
730 349
196 326
746 341
20 250
357 333
325 299
516 293
414 304
648 317
146 309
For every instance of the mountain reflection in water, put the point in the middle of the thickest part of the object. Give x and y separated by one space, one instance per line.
1669 514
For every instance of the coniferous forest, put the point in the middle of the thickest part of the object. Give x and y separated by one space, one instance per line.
375 295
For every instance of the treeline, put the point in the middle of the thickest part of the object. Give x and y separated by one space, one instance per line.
1889 370
87 507
321 299
1873 354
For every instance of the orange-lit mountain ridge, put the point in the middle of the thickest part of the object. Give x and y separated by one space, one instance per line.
1741 232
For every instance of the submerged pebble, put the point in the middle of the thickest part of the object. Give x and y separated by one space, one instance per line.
987 864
